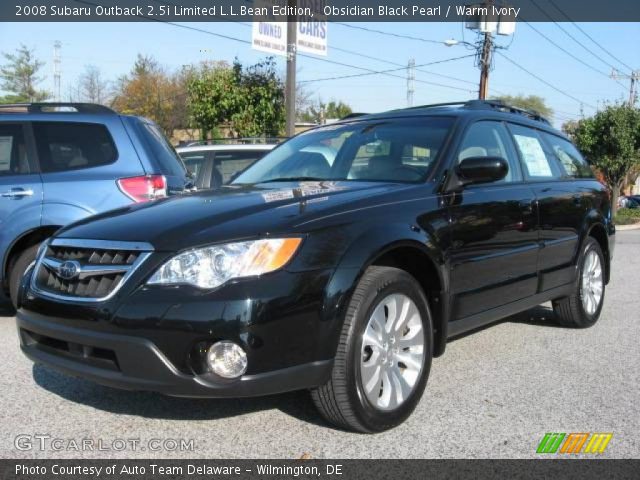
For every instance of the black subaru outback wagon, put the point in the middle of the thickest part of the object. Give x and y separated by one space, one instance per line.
341 262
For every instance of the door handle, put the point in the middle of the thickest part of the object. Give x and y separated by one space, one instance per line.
17 193
577 199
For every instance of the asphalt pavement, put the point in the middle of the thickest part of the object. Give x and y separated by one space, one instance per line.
494 394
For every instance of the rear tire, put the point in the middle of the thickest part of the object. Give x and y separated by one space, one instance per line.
582 308
384 354
25 258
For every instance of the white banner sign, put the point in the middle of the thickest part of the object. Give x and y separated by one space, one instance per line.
269 36
312 29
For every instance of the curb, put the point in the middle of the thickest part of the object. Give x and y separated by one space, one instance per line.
622 228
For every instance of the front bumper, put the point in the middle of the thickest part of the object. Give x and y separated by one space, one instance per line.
132 363
150 338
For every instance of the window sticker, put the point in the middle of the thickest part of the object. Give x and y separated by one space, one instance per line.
533 156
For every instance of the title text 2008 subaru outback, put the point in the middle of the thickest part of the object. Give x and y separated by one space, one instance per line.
341 262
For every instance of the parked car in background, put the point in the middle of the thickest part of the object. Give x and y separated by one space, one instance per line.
63 162
212 165
341 273
629 201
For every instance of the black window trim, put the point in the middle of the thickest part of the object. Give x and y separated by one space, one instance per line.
33 123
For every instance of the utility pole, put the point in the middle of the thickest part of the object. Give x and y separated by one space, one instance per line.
634 78
411 79
56 69
485 65
290 87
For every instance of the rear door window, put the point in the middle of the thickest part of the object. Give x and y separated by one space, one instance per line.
14 159
64 146
572 163
538 163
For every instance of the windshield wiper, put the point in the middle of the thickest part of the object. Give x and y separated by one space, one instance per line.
296 179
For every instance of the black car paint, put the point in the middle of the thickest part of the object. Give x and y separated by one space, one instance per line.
491 250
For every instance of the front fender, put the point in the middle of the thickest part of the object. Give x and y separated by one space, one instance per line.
363 252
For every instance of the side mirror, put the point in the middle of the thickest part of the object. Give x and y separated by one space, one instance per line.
475 170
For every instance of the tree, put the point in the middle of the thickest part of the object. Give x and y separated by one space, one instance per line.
20 77
249 100
321 111
530 102
611 142
260 109
150 91
92 87
212 95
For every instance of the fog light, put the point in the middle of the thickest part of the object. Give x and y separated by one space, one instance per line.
227 359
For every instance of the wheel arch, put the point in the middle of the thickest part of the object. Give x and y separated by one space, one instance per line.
595 226
406 247
26 240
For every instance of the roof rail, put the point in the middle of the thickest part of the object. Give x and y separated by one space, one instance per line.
488 105
503 107
55 107
353 115
242 140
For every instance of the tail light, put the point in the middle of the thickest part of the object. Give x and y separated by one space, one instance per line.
144 188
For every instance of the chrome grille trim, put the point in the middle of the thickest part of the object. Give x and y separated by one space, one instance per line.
141 249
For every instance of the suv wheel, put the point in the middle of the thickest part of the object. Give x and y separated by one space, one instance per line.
25 258
384 354
582 308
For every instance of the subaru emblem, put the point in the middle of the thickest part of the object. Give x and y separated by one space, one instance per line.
68 270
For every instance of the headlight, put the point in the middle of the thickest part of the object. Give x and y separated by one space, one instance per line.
210 267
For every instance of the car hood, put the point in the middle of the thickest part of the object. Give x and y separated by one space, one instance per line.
233 212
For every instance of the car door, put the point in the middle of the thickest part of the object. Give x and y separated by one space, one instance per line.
493 230
20 184
563 202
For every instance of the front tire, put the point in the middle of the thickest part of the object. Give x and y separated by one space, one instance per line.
582 308
384 354
25 258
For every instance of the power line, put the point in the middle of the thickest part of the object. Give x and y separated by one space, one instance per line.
390 34
385 72
543 80
596 43
544 12
591 67
389 62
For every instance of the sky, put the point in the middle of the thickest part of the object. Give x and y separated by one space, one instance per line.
580 71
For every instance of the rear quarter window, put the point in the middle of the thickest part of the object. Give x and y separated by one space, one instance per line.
64 146
160 149
570 159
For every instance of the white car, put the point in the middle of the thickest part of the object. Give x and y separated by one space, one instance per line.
213 165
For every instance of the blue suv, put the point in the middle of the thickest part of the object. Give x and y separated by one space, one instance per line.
62 162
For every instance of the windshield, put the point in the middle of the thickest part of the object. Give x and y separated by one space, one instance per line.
388 150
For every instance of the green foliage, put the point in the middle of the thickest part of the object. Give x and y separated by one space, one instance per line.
261 100
322 111
627 216
530 102
20 77
250 100
611 142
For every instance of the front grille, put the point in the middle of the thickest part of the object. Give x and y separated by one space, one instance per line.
86 270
